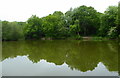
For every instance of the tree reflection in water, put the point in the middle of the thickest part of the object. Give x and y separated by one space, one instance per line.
78 55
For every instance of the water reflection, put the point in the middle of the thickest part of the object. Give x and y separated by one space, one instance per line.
78 55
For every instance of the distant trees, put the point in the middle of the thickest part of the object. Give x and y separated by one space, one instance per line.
33 28
81 21
12 31
54 25
51 26
109 22
0 30
118 27
84 21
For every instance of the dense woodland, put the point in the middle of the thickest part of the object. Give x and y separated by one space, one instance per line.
75 23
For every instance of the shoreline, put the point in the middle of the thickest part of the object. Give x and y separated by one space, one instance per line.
84 38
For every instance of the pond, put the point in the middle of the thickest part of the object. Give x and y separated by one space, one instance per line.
60 58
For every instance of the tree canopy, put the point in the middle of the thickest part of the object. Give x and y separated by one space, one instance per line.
77 22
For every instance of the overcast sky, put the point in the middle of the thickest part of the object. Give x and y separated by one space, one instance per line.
21 10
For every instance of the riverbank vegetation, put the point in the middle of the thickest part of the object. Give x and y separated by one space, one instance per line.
76 23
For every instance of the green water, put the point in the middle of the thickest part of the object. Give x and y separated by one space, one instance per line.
60 58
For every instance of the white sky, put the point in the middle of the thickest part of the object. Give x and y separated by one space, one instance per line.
21 10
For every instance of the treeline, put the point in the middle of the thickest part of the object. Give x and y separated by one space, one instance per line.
12 30
75 23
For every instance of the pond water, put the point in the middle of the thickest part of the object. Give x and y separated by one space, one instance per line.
60 58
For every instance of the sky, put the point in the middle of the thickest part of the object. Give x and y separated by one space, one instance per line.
21 10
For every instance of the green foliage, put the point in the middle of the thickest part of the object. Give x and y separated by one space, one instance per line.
53 25
81 21
87 20
118 21
11 31
112 33
0 30
33 29
75 29
109 22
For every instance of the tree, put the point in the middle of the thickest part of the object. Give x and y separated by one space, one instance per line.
0 30
53 25
33 29
118 26
81 21
87 19
109 22
11 31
